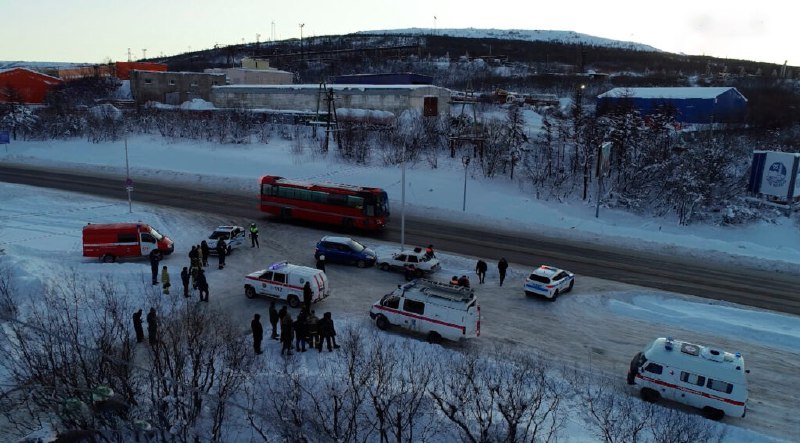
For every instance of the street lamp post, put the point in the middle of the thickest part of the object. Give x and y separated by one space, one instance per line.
128 181
301 39
403 203
465 160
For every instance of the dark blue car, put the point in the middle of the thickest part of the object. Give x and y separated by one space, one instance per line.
345 250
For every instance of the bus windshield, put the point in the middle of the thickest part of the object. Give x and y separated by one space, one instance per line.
383 204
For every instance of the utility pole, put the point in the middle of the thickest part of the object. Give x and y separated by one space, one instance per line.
144 54
403 203
465 160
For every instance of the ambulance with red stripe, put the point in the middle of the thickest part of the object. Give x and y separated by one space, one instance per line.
700 376
285 281
438 310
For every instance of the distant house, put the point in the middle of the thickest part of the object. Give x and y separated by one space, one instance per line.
22 85
691 105
172 88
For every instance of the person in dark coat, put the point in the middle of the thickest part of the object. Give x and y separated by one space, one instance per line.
463 281
327 332
152 327
222 249
194 258
300 332
312 330
204 249
254 236
502 265
286 333
258 333
155 257
480 269
137 326
321 262
273 320
202 285
185 280
408 271
308 294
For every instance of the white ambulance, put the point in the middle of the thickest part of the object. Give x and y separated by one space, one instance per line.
284 281
439 310
696 375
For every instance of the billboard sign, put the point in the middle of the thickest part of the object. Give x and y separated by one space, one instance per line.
779 170
5 137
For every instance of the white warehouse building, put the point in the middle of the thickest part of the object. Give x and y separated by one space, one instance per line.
307 98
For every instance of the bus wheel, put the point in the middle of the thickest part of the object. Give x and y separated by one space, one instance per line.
713 413
434 337
249 291
382 322
649 395
293 301
286 213
347 223
107 258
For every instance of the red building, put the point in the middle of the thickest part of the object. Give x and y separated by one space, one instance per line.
124 68
21 85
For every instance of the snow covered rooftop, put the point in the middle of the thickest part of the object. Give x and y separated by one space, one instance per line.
670 93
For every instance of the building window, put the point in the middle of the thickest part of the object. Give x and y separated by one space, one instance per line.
172 82
148 81
194 83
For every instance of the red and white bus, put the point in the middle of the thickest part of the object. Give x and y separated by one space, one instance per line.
345 205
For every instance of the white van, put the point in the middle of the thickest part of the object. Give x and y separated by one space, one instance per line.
285 282
439 310
696 375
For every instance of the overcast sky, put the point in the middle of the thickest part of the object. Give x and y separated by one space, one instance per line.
94 31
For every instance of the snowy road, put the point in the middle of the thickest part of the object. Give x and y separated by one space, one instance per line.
672 273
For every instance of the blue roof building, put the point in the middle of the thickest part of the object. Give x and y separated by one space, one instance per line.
692 105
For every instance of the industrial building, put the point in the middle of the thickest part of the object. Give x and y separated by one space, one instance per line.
172 88
22 85
692 105
308 98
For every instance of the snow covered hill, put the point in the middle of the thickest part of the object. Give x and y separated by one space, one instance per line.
531 35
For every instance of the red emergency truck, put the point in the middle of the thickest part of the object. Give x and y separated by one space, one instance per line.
118 240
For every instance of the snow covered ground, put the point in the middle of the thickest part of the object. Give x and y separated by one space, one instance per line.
601 324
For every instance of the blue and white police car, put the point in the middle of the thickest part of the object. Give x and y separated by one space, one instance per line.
549 281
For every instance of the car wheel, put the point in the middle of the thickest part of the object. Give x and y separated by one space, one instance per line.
230 251
555 296
107 258
529 294
434 337
384 266
382 322
419 273
649 395
158 255
361 264
293 301
713 413
571 284
249 291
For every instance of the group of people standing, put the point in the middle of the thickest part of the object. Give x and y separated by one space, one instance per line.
481 267
307 331
152 326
